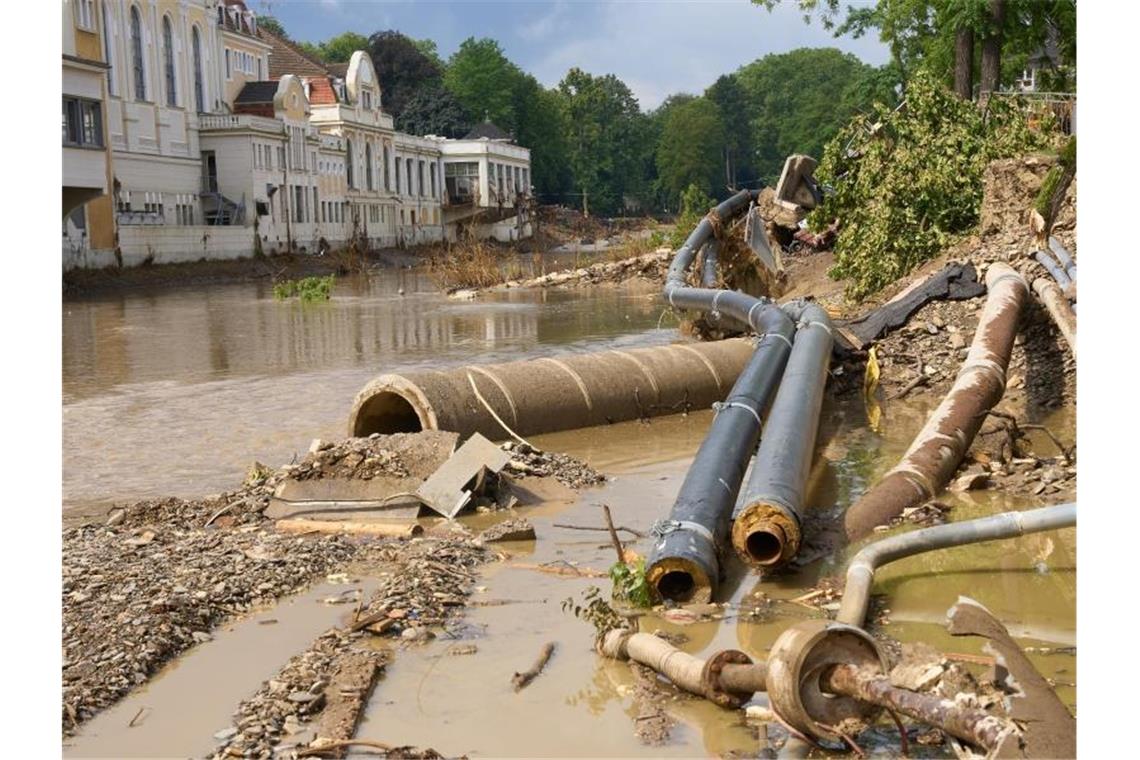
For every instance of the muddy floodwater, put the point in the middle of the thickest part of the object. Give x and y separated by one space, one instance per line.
176 393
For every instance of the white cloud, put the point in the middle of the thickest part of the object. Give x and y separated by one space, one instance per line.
544 25
659 48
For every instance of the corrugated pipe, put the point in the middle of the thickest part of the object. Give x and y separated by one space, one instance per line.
684 564
766 527
861 570
937 450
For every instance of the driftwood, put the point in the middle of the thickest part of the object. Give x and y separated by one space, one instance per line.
521 680
1059 308
936 452
386 530
565 569
954 282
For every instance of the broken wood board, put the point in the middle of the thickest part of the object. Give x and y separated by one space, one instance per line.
756 236
449 488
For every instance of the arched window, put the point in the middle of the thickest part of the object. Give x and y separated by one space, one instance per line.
348 161
368 165
137 54
108 51
168 58
199 87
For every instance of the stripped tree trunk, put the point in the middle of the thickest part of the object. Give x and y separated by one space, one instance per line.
991 47
936 452
964 63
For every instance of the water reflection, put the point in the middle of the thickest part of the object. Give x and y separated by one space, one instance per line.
176 392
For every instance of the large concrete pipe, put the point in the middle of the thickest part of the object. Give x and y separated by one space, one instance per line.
766 527
934 455
553 393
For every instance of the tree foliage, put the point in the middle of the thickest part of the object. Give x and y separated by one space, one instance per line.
605 129
401 67
907 181
484 81
690 147
433 110
801 98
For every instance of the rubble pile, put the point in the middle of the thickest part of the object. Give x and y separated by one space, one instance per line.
353 458
649 266
428 580
570 472
134 598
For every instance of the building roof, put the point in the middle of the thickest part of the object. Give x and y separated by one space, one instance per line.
337 69
488 130
257 92
288 58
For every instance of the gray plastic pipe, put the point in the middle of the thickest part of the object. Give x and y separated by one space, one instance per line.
709 262
766 527
1064 257
861 570
1057 271
684 565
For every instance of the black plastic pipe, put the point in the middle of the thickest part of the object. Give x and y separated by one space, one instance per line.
766 526
684 565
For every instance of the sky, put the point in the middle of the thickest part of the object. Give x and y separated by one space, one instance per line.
656 47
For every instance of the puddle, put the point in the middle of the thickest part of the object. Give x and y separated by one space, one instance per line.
191 698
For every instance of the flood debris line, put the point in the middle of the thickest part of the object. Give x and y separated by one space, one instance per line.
684 565
552 393
135 598
861 570
938 449
521 680
527 461
649 266
766 526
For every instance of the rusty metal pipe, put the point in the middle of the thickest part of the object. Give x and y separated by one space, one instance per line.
967 723
861 570
936 452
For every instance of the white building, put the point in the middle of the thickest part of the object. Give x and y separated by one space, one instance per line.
226 141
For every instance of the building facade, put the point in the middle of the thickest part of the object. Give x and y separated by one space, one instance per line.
191 133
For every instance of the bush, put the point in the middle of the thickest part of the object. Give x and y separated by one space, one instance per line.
907 181
307 289
469 263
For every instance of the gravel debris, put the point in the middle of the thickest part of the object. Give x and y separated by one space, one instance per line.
135 598
570 472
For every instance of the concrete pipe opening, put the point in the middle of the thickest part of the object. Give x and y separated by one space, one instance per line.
385 413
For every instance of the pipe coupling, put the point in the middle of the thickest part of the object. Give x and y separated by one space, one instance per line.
796 664
710 679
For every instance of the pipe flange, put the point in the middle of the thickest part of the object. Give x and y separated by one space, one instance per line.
797 662
710 679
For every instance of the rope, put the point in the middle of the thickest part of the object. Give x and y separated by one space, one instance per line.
498 419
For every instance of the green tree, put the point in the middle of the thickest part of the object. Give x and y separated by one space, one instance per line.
605 129
401 67
731 104
540 126
272 25
433 110
801 98
483 80
431 51
339 49
690 148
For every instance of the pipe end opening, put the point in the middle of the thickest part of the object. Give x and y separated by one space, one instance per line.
680 580
386 412
764 547
676 585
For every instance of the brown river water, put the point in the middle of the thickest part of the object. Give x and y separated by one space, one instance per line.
178 392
